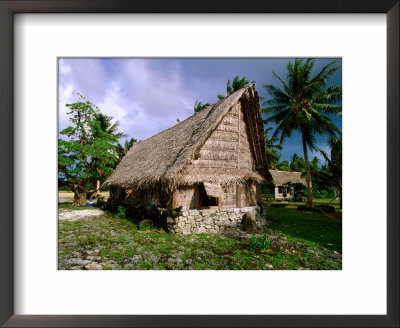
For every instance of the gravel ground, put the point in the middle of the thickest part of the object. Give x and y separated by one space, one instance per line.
74 215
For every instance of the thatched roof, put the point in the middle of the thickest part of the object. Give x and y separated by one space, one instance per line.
164 157
279 178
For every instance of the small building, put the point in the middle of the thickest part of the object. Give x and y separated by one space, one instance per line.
210 165
281 179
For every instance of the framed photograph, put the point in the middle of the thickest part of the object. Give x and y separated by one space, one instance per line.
115 112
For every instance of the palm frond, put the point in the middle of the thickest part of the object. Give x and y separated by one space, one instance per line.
277 93
326 72
327 108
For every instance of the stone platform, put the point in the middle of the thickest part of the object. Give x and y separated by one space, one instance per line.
214 221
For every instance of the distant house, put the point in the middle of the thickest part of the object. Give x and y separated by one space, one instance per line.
280 179
213 161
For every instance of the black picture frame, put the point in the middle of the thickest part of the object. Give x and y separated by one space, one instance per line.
7 10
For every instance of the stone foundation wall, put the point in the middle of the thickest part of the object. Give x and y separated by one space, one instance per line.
224 221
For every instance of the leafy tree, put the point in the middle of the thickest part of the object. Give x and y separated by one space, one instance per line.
86 152
302 104
236 85
198 106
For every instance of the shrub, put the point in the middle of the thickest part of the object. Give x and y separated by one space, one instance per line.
121 212
64 188
259 243
316 194
324 193
100 201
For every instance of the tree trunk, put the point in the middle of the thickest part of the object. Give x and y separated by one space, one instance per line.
96 190
79 196
308 171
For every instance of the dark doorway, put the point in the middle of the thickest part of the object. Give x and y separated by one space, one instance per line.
205 200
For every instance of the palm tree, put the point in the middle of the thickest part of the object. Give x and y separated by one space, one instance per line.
236 85
297 163
198 106
128 144
333 176
272 148
123 150
105 125
302 104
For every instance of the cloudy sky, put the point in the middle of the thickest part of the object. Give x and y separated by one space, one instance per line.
146 96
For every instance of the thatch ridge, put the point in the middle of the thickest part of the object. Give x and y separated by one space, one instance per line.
163 158
279 178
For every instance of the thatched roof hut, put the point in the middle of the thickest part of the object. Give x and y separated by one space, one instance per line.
279 178
205 168
222 144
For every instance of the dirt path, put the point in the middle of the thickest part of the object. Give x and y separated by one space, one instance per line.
74 215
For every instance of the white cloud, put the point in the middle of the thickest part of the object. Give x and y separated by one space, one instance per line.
143 98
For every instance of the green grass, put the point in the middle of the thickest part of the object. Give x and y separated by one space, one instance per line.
116 241
312 228
316 201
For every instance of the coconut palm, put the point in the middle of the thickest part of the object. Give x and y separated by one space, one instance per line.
301 104
104 122
122 150
236 85
107 126
333 176
272 148
128 144
297 163
198 106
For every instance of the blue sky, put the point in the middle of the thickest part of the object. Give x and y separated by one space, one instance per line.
146 96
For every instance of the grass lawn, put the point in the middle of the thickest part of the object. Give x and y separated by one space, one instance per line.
312 228
108 242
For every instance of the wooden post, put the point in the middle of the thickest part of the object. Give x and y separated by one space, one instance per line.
196 197
219 203
247 194
259 194
238 196
174 199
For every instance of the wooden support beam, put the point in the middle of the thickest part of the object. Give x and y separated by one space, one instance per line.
259 193
196 197
174 199
247 195
238 196
219 203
